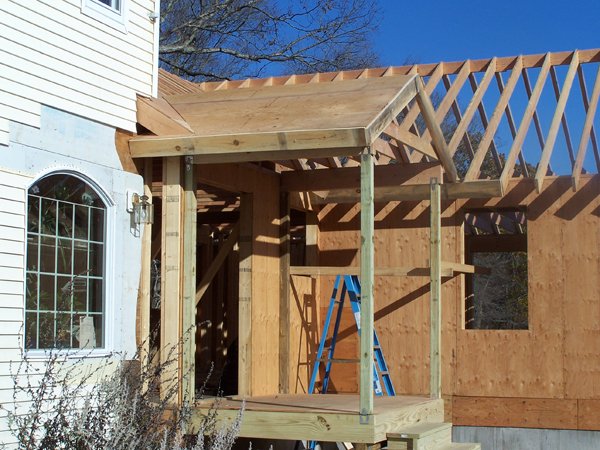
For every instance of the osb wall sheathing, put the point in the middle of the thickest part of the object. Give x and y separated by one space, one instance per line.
524 373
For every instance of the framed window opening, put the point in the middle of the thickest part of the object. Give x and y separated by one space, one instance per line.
110 12
497 240
67 262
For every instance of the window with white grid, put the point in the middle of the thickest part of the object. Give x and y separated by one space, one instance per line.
65 288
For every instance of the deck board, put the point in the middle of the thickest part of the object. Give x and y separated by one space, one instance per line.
321 417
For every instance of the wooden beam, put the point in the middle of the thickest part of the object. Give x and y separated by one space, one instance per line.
349 177
490 131
392 109
367 264
437 136
485 123
540 173
216 264
463 126
266 146
159 117
448 270
412 192
245 297
512 125
433 81
188 268
412 140
284 293
435 304
563 120
586 105
536 120
170 305
585 134
143 310
517 145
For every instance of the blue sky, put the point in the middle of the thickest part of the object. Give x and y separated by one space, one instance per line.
430 31
453 30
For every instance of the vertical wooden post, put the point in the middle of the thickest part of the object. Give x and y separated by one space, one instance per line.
367 261
170 307
145 274
284 294
435 305
245 302
188 267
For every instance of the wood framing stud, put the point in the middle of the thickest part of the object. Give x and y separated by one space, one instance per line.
188 267
171 301
435 304
245 295
367 262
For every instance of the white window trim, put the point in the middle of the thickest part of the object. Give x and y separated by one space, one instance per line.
109 275
116 19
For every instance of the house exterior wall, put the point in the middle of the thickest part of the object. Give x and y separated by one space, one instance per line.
68 80
63 143
54 54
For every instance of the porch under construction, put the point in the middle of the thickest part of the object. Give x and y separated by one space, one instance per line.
276 185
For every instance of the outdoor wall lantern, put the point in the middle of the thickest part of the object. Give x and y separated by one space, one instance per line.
143 210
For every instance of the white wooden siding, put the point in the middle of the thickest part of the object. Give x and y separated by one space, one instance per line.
12 274
53 54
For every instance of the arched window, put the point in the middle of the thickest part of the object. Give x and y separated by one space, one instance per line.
65 288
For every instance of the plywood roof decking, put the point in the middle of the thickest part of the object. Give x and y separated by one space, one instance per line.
342 118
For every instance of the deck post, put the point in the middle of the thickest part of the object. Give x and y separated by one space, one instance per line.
284 293
367 261
188 320
144 294
245 378
170 305
435 305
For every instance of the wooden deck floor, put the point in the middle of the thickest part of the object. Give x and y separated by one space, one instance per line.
322 417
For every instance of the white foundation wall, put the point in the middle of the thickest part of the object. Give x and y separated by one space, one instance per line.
61 54
64 142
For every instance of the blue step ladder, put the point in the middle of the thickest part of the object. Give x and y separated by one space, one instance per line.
350 285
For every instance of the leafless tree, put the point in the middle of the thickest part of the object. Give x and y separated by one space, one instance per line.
220 39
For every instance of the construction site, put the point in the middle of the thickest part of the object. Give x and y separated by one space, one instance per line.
450 211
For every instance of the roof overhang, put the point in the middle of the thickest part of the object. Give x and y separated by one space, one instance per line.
277 122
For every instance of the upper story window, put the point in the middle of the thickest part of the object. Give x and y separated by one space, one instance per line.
110 12
497 240
65 283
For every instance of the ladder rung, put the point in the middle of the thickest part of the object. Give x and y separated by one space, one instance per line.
338 360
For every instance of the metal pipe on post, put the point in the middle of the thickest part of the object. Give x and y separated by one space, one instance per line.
367 262
435 305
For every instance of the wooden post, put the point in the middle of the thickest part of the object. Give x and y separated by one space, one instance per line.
367 261
245 302
284 294
188 320
145 282
435 305
170 307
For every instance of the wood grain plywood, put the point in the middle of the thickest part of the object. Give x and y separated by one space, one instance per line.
515 412
353 103
581 266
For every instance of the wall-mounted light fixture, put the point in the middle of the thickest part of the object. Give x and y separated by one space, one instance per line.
143 210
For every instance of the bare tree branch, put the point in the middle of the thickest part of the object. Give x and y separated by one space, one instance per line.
220 39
